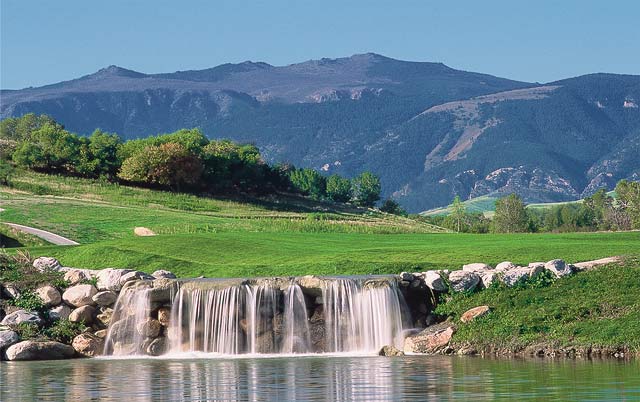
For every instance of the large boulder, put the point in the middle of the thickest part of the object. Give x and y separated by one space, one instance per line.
161 273
434 281
134 276
49 295
34 350
474 313
44 264
149 328
105 298
83 314
390 350
477 267
157 346
559 268
431 340
110 279
311 285
60 312
79 295
105 316
488 278
7 338
20 317
519 274
505 266
88 345
164 316
463 281
76 276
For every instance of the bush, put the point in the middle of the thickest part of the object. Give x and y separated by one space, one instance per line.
63 330
28 301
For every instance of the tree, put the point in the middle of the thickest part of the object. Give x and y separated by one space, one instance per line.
366 189
458 214
391 206
6 171
511 215
629 200
99 155
338 188
170 165
310 182
51 148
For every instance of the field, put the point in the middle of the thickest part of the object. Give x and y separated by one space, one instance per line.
261 237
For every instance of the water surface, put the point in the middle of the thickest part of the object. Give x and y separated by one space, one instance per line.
320 378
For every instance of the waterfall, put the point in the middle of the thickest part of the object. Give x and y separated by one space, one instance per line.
260 317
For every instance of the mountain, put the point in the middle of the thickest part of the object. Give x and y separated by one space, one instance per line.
428 130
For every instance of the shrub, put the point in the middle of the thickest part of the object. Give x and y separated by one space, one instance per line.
63 330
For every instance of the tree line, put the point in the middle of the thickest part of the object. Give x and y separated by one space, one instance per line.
185 160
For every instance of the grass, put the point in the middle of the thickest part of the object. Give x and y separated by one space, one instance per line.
10 238
595 309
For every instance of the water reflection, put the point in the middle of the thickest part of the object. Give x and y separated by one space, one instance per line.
360 378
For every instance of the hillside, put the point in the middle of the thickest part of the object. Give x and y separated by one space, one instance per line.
429 131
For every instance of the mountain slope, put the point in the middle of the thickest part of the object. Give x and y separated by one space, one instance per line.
428 130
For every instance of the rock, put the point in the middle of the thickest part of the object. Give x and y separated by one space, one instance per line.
11 291
157 346
311 285
390 350
105 317
463 281
102 333
60 312
161 273
134 276
430 340
505 266
43 264
7 338
559 268
75 276
476 267
434 281
2 314
488 278
34 350
79 295
536 265
518 274
105 298
88 345
142 231
49 295
589 265
265 343
22 316
83 314
109 279
406 276
164 316
474 313
163 290
149 328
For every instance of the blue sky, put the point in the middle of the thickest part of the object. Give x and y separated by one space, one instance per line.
46 41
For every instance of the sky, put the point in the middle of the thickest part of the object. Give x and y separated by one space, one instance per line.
47 41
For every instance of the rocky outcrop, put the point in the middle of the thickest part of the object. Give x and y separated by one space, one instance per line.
34 350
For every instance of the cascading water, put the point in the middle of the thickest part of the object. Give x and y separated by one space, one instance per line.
261 317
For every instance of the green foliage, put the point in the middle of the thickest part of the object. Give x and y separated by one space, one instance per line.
309 182
20 128
391 206
366 189
63 330
28 331
511 215
6 171
338 188
28 301
629 200
99 155
17 268
50 148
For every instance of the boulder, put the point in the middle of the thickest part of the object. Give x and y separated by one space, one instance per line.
488 278
110 279
88 345
518 274
474 313
406 276
83 314
22 316
536 265
505 266
43 264
60 312
134 276
7 338
390 350
161 273
149 328
2 314
164 316
102 333
79 295
311 285
34 350
463 281
75 276
104 317
105 298
559 268
157 346
142 231
589 265
434 281
49 295
430 340
476 267
10 291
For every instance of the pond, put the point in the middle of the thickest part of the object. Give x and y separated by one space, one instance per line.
320 378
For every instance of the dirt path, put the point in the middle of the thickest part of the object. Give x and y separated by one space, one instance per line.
44 235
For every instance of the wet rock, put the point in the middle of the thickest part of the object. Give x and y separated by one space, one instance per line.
161 273
134 276
162 289
431 340
390 350
49 295
60 312
474 313
559 268
434 281
149 328
317 330
157 347
105 298
76 276
2 314
34 350
265 343
102 333
164 316
7 338
110 279
505 266
476 267
88 345
311 285
79 295
83 314
20 317
104 317
406 276
44 264
463 281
